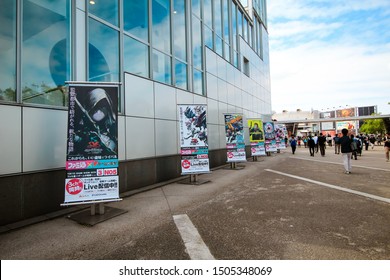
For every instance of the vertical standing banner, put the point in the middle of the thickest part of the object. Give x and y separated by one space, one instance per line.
235 144
92 146
269 135
193 139
256 137
280 134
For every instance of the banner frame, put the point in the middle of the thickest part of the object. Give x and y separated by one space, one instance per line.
93 202
193 175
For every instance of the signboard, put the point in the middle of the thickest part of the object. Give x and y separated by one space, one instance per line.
350 112
327 126
256 137
193 139
280 134
235 144
350 125
92 145
269 135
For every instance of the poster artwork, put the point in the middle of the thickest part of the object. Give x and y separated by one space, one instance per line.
92 145
270 141
256 137
193 139
235 143
280 134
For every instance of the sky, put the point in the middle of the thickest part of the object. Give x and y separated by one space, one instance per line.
327 55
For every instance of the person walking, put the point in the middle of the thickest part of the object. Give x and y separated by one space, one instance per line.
311 145
354 147
346 150
315 138
293 144
372 140
322 143
336 144
387 147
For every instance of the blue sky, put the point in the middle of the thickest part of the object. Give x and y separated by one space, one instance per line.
329 54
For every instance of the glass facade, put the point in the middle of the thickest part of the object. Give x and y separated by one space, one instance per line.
136 19
8 50
103 52
45 52
162 40
135 57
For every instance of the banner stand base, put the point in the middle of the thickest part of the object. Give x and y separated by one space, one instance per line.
89 217
235 166
256 158
193 179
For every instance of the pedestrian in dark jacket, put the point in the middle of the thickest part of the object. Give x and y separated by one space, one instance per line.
293 144
311 145
322 143
346 151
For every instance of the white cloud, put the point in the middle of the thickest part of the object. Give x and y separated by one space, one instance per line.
323 64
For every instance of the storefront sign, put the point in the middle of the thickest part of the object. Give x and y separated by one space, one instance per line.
193 139
270 141
235 144
256 137
92 146
280 135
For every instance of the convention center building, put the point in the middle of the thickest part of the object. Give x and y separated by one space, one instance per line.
160 53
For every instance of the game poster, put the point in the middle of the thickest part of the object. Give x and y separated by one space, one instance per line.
193 139
280 134
92 143
256 137
235 144
270 141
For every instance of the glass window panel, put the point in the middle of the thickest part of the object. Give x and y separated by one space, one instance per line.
180 74
161 25
218 45
136 57
235 59
226 27
180 34
135 16
258 37
227 52
196 7
45 57
245 29
196 42
208 13
162 67
218 17
239 21
106 10
8 50
234 26
198 82
208 37
103 52
250 32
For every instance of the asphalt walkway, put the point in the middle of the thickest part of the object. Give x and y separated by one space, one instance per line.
282 207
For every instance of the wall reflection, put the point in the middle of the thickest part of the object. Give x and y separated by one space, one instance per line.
45 56
8 50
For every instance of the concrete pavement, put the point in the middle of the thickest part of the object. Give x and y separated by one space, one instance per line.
253 213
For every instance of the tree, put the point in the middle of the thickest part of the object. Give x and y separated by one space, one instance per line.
373 126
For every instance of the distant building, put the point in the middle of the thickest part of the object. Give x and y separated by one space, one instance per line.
303 127
305 120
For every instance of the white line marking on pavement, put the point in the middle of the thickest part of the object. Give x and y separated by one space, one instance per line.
353 165
196 248
383 199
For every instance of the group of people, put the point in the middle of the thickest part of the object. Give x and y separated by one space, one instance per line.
348 145
314 143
